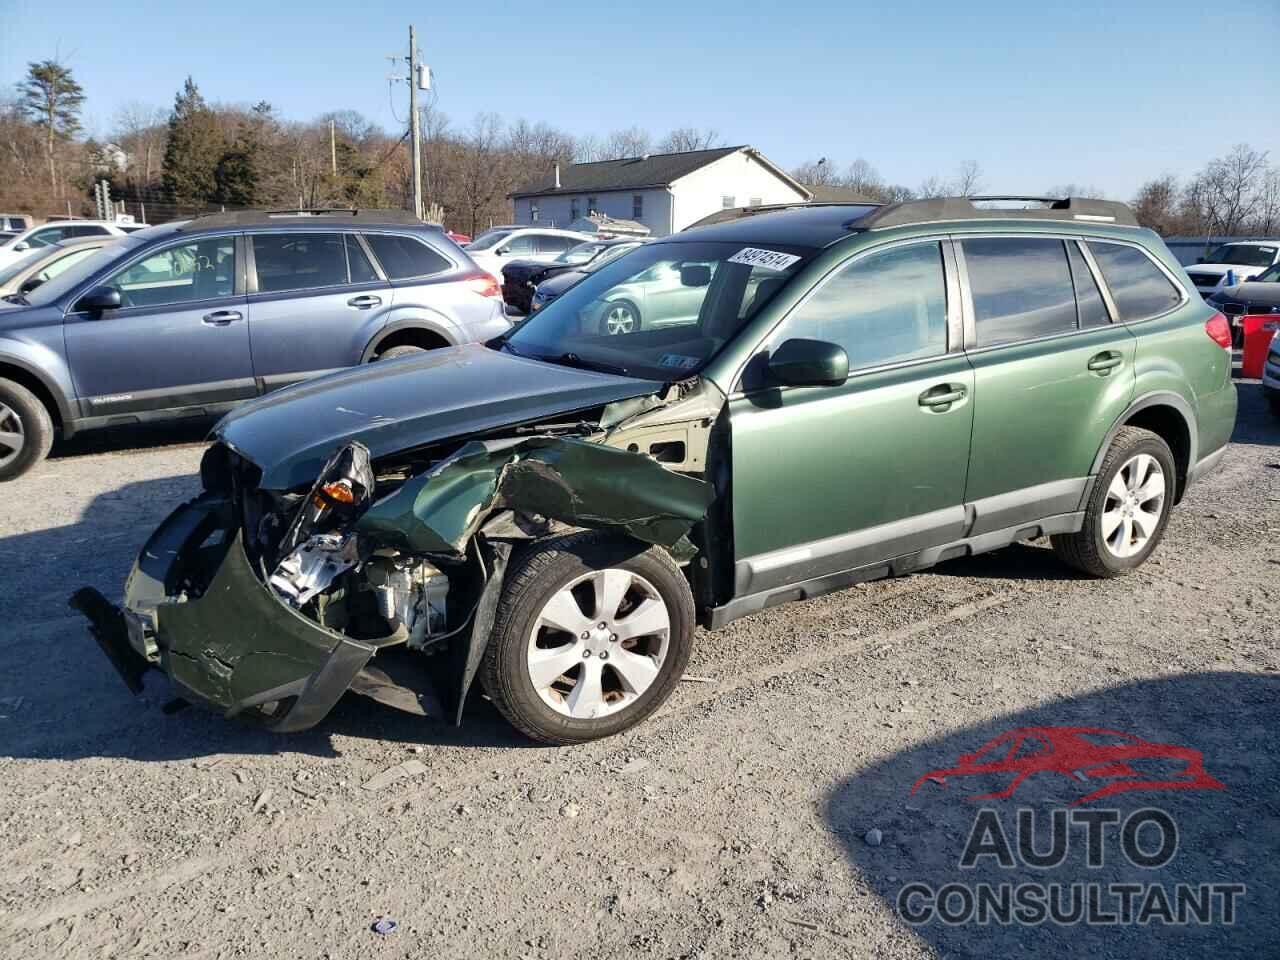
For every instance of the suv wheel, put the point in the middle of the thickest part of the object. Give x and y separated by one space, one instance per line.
593 632
407 350
26 430
1128 508
620 317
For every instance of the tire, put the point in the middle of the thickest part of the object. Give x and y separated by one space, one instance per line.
611 694
26 430
620 318
1119 534
402 351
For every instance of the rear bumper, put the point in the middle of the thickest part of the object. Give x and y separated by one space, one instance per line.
236 648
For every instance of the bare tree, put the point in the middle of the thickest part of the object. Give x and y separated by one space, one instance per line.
816 173
1156 205
1266 211
687 139
864 179
141 131
933 187
968 179
1227 188
631 142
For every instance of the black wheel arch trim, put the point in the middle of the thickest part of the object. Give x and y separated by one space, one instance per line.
68 409
397 326
1157 398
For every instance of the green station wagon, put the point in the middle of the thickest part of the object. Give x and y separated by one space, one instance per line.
856 392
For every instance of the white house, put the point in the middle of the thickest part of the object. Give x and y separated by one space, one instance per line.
665 192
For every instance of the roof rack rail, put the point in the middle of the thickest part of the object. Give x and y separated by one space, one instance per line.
237 218
939 209
737 213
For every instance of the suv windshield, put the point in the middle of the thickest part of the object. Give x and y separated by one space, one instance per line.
1268 276
73 276
1242 255
661 311
581 253
488 239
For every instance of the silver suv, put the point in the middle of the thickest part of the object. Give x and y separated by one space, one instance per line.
190 318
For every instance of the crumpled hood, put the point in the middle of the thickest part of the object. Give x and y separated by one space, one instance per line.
394 405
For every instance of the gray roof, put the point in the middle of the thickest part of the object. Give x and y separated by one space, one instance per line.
635 173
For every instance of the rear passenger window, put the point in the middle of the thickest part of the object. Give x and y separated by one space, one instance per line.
1139 288
882 308
403 257
299 261
1092 311
554 244
358 264
1021 288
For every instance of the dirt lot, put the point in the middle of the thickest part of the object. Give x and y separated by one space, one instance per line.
737 822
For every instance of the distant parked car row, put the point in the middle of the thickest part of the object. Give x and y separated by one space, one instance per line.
33 238
520 278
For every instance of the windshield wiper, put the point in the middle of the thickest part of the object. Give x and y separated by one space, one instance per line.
17 298
573 360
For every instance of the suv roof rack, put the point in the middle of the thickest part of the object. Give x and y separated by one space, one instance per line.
962 208
238 218
737 213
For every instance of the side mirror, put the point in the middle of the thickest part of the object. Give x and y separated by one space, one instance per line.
29 284
19 247
695 275
99 299
502 251
809 363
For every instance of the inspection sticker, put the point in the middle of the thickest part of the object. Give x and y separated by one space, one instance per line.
768 259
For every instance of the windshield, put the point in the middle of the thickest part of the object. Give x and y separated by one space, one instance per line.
661 311
610 254
71 278
581 253
15 268
1242 255
489 238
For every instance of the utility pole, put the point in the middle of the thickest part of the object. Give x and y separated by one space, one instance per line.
415 132
333 150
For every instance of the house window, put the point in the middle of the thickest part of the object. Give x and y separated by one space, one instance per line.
591 205
755 201
726 202
573 209
637 206
533 212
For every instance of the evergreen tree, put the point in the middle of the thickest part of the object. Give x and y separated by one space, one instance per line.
194 148
52 99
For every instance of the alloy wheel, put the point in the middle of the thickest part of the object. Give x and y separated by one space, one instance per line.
12 435
1134 505
598 643
619 320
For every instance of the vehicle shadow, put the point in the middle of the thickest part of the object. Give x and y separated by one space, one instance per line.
61 699
1227 824
1255 423
137 437
1032 560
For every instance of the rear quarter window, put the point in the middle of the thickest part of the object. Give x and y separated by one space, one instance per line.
1139 288
405 257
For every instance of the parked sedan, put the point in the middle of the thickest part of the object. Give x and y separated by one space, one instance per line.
1259 295
58 230
44 263
520 277
500 245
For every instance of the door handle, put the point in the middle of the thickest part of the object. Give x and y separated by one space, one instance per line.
942 396
220 318
364 302
1105 362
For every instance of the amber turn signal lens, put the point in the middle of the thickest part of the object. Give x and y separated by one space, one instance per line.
339 492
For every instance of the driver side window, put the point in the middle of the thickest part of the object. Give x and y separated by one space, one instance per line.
519 246
882 308
200 270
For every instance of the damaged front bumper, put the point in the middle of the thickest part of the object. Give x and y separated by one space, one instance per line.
200 608
236 647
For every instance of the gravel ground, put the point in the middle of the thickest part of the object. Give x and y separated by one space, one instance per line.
738 821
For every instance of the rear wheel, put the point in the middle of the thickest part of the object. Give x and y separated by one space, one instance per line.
1128 507
406 350
26 430
592 634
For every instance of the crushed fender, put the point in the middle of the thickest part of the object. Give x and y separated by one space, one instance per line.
573 481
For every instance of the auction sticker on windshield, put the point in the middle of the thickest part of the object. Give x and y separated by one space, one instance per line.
768 259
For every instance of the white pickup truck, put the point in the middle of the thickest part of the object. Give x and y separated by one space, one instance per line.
1243 259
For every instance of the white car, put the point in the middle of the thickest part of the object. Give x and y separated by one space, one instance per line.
58 230
541 244
1243 259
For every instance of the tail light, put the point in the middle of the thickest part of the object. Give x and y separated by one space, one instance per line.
483 284
1219 331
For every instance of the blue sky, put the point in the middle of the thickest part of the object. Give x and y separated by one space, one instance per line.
1092 92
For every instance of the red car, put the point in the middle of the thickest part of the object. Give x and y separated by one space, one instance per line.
1083 754
458 238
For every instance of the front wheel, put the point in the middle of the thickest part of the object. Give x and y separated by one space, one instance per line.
1128 507
592 634
620 317
26 430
